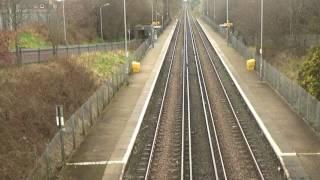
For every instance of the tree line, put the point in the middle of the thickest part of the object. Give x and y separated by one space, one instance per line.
281 18
83 17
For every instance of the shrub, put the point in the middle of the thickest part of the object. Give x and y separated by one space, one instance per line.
309 73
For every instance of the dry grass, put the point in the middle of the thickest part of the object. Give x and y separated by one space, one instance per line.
28 96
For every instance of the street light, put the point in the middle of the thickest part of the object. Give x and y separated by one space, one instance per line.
167 9
227 11
228 28
261 45
64 21
214 10
151 11
101 25
125 27
207 7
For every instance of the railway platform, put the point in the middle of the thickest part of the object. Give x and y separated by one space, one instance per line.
295 144
108 145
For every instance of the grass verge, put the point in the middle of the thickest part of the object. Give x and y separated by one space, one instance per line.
28 96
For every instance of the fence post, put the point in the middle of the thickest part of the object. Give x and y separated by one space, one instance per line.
108 90
79 52
60 124
47 161
62 145
38 55
308 101
82 122
113 86
318 115
88 49
20 55
117 78
73 134
67 51
98 111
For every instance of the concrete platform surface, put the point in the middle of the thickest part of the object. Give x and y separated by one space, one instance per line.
107 147
297 147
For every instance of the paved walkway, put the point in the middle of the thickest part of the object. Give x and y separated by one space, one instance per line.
294 142
108 145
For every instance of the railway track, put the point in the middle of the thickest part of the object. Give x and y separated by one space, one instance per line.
246 151
157 148
197 126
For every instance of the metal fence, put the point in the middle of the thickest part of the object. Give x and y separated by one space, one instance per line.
306 105
26 56
76 128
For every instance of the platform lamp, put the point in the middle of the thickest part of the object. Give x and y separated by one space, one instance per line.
64 21
125 28
214 11
261 43
101 22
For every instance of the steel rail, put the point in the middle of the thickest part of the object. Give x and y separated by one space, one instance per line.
186 72
203 99
231 105
162 105
214 125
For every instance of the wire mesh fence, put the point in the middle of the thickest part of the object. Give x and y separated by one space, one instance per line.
75 129
26 56
69 138
306 105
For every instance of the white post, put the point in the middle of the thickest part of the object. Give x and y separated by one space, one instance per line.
125 28
261 45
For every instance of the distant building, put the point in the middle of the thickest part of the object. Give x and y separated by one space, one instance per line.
38 11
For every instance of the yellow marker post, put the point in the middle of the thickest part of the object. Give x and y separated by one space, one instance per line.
251 63
136 67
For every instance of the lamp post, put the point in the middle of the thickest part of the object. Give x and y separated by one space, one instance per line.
167 9
64 21
151 11
214 10
101 25
227 11
207 7
125 27
228 28
261 45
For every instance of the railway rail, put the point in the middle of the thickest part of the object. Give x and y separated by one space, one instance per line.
197 126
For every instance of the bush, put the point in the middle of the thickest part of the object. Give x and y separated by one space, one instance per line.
309 73
28 96
5 38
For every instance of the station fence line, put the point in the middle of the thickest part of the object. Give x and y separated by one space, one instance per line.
68 139
27 56
75 129
303 103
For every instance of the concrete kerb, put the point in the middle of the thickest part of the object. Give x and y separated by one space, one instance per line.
274 145
142 113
